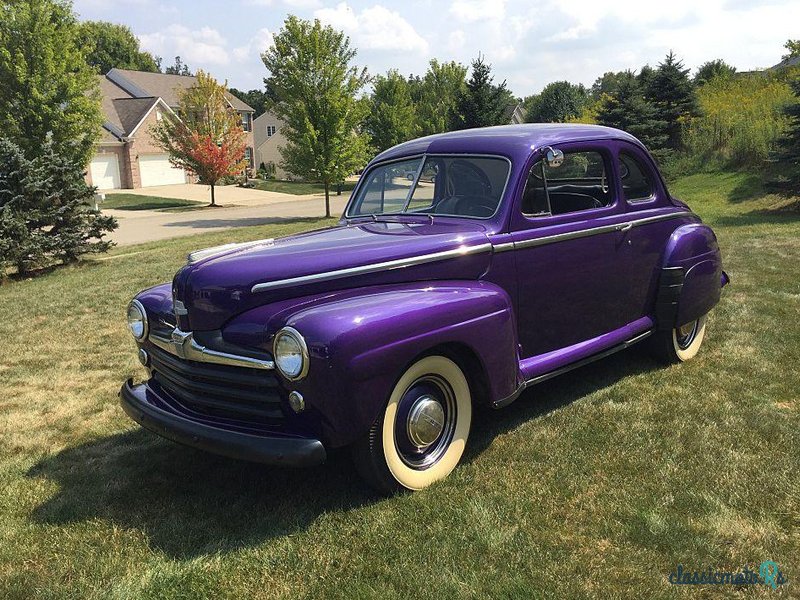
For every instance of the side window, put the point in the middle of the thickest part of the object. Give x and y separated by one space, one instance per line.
637 180
579 183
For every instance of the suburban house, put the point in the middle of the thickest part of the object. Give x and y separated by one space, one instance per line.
268 141
132 102
514 113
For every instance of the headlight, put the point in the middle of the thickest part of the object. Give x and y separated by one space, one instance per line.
137 320
291 353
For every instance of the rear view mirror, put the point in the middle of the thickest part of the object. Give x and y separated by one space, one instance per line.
553 157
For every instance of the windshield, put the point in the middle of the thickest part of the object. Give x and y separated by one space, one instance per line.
462 186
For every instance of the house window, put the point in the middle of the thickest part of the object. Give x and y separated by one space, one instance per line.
248 155
270 130
158 115
246 121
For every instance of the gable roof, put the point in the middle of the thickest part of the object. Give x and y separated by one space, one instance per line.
141 84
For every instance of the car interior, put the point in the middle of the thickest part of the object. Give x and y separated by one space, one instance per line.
581 182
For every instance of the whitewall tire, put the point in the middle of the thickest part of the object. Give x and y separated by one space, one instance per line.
680 343
421 434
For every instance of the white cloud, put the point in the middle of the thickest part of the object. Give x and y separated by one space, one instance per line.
299 4
374 28
471 11
255 46
204 46
456 40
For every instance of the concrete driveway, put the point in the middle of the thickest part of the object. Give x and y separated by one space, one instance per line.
240 207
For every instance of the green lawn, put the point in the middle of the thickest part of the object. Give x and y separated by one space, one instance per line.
594 484
299 188
140 202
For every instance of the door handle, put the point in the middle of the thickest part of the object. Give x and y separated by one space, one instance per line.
625 227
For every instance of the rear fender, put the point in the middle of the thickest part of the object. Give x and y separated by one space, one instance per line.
691 276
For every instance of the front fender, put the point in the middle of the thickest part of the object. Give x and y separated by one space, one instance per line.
361 342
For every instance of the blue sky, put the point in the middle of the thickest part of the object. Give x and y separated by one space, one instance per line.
529 43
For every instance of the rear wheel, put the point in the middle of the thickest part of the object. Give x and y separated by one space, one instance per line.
680 343
421 434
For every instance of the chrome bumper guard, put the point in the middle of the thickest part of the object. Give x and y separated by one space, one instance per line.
183 345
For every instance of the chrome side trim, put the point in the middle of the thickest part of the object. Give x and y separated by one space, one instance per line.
572 235
503 402
373 268
183 345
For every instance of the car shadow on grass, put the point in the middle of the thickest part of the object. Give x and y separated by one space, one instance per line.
189 503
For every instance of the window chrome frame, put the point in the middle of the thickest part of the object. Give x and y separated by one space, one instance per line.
424 156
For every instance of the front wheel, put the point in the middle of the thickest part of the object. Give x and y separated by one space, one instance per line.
680 343
422 432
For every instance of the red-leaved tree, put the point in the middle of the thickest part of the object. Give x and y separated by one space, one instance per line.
205 135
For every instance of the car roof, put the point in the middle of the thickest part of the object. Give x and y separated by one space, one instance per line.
513 141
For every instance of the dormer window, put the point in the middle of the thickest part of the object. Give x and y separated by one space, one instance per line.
270 130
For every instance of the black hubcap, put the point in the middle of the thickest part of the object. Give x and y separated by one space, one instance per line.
686 334
425 422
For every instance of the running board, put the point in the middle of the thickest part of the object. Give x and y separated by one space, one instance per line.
566 368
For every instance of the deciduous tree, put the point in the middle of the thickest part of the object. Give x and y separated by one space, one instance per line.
314 85
392 118
47 90
559 101
713 69
205 136
112 46
436 96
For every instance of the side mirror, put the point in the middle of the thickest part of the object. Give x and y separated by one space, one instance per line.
553 157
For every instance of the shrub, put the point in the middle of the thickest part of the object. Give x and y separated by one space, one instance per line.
742 119
45 215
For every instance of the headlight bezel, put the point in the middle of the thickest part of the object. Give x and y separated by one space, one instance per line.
297 337
145 321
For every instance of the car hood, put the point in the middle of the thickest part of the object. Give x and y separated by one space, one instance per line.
218 284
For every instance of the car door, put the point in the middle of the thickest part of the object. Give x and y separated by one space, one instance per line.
566 235
645 200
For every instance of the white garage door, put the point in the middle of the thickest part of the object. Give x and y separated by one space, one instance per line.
155 169
105 172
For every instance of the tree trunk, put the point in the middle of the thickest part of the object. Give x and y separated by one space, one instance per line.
212 196
327 199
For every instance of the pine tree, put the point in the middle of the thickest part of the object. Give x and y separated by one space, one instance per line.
481 103
789 150
673 94
44 210
392 118
629 110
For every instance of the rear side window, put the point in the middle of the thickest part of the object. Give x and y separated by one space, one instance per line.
637 180
579 183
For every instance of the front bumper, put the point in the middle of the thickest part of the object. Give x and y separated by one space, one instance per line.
137 402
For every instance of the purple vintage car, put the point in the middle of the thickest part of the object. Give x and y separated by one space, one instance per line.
467 267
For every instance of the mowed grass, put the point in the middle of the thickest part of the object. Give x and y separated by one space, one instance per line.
123 201
299 188
594 484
